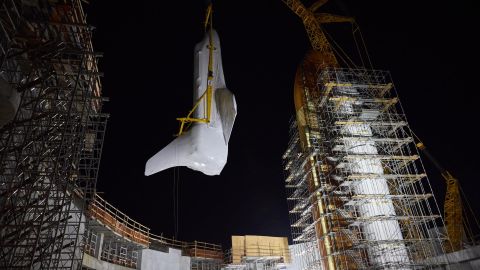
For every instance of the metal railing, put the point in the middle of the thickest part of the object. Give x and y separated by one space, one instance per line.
120 223
196 249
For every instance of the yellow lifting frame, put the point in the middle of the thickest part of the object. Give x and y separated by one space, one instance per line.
208 92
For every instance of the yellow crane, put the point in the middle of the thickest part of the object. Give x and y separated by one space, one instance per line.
312 21
453 209
322 56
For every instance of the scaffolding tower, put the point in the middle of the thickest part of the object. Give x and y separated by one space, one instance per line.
357 186
50 149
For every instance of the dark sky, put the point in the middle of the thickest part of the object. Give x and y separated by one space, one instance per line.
429 47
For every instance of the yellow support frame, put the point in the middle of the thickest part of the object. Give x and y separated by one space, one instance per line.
209 91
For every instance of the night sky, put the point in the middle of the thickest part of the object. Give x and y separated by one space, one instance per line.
430 49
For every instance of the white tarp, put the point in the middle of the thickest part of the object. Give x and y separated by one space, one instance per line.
204 147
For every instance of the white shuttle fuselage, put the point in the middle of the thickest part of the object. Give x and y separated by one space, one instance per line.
204 147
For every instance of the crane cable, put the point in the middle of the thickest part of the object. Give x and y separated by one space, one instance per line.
472 214
340 52
356 28
208 26
464 199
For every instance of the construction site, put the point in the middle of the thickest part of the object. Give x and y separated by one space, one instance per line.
357 187
357 191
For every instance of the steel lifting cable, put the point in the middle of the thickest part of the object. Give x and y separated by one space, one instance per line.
356 43
208 24
363 43
472 213
340 52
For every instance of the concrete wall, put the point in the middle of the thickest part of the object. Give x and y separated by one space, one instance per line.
467 259
157 260
94 263
150 260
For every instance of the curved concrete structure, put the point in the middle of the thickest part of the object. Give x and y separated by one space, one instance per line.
114 241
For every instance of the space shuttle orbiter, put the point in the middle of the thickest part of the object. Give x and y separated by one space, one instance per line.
204 147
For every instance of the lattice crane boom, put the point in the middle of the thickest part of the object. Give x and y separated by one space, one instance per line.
453 210
312 22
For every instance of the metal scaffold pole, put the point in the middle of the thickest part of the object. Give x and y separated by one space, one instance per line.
378 208
50 148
